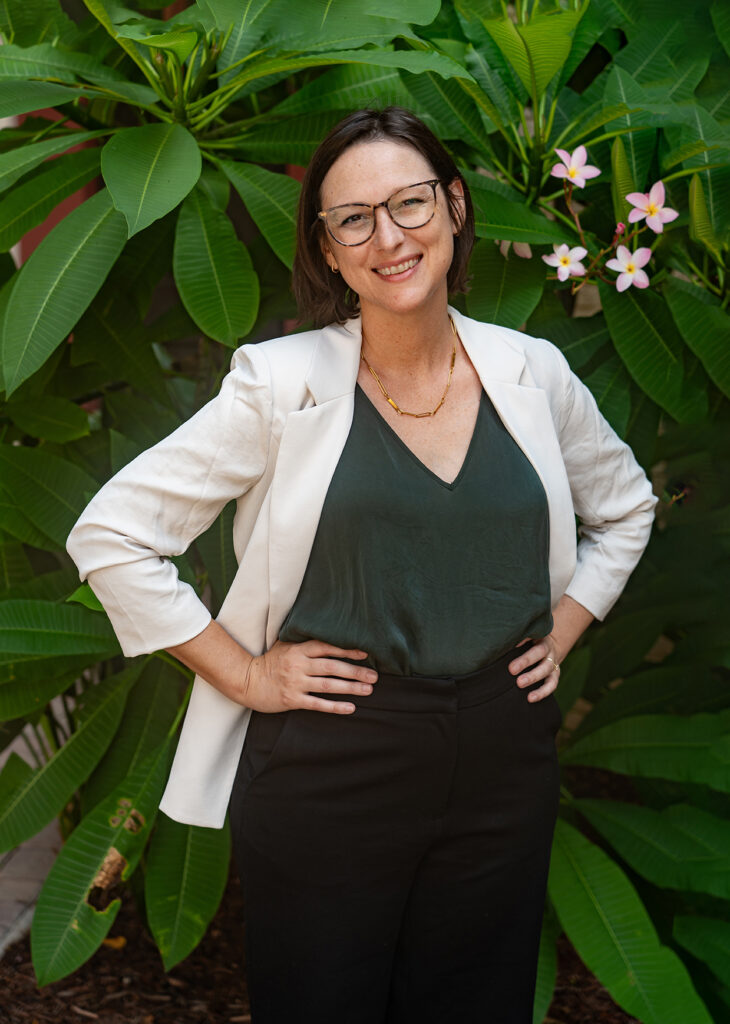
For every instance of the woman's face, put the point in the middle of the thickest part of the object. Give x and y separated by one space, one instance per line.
399 270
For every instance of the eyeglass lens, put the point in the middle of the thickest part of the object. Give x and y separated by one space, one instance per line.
411 207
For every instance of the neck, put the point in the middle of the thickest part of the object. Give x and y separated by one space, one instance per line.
407 341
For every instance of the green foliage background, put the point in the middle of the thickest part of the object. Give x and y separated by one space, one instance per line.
116 329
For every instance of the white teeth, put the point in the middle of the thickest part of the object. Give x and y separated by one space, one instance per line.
387 271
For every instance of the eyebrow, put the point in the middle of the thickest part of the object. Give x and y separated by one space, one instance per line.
361 202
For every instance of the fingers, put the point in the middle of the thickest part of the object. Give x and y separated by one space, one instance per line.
535 665
320 649
330 707
341 669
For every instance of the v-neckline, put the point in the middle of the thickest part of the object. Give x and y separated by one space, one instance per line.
453 484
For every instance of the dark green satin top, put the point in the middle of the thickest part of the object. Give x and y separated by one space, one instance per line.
431 578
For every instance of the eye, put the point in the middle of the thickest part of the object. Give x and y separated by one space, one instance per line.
352 219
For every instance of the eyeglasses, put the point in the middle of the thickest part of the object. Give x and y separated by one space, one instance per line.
410 207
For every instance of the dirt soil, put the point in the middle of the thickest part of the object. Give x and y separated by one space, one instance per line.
124 983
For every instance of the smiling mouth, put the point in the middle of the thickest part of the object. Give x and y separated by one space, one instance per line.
399 268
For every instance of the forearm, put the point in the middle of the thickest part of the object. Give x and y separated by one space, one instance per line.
218 658
570 621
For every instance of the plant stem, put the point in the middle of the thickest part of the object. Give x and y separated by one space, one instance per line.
543 204
568 189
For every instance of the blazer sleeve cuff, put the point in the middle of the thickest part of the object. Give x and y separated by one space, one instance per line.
174 612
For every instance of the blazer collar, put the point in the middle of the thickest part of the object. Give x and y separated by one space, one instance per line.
496 354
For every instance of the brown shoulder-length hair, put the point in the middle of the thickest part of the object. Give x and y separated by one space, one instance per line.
324 297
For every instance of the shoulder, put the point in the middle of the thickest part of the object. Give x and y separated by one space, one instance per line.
525 359
278 364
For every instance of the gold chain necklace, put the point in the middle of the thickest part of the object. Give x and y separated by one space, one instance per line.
403 412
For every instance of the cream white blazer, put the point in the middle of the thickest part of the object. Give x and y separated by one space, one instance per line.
271 440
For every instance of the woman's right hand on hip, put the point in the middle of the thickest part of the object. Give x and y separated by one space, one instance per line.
288 675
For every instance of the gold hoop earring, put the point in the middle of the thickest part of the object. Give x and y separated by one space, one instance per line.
335 270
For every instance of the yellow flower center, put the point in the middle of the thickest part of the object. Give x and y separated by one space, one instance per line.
572 172
652 209
630 268
565 261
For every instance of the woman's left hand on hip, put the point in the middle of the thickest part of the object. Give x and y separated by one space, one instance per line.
538 663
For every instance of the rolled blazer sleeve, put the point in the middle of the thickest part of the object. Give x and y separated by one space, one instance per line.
611 496
158 504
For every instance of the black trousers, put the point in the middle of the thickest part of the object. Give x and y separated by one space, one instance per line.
394 861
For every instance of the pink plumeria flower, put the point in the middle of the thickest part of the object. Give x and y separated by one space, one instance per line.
522 249
629 264
574 166
651 205
567 261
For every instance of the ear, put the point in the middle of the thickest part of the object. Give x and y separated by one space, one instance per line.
329 256
456 191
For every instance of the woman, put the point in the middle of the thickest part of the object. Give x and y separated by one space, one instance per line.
407 481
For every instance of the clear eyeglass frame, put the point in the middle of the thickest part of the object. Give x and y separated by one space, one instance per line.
372 207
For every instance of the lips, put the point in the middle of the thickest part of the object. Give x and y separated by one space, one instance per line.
397 268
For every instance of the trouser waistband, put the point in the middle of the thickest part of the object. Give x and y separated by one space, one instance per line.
436 693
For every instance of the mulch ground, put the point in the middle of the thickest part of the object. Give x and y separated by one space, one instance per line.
127 985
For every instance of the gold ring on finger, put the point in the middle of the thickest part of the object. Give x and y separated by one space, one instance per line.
553 663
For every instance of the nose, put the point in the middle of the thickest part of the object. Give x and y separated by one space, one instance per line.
387 234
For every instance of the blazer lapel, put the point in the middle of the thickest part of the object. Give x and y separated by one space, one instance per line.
310 449
525 412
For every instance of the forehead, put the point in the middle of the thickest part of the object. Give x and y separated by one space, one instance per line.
369 172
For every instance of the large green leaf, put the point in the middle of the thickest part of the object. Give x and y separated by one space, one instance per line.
57 283
681 847
700 225
14 565
150 710
699 125
612 933
55 419
48 61
609 384
149 170
292 141
102 850
503 291
663 688
720 14
621 181
19 97
707 938
538 49
15 522
27 808
51 491
187 869
31 630
651 348
271 199
496 218
213 271
639 143
692 748
111 333
22 697
417 62
493 96
29 21
17 162
30 203
578 338
705 328
452 111
347 87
